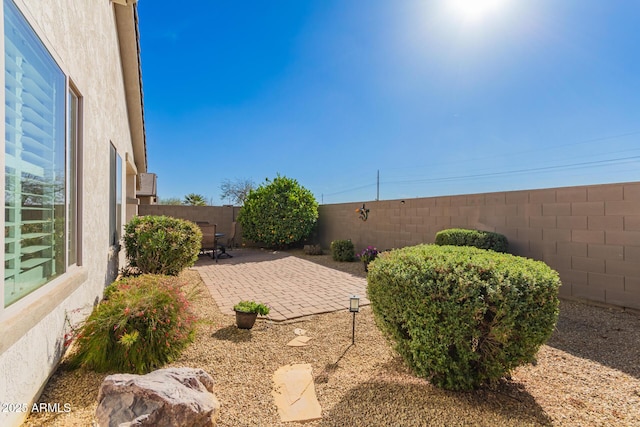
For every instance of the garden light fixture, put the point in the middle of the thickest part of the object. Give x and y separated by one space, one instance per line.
354 307
354 304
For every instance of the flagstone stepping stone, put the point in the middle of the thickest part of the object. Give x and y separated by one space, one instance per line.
294 393
299 341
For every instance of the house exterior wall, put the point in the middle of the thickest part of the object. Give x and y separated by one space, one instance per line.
589 234
82 38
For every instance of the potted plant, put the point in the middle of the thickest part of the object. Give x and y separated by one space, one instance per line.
368 255
247 312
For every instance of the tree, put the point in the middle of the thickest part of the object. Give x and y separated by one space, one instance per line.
169 201
193 199
278 213
236 191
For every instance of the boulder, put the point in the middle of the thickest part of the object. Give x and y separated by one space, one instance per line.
166 397
312 249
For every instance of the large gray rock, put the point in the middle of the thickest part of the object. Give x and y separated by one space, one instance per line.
163 398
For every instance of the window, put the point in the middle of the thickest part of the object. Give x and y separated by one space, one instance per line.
39 190
115 197
73 177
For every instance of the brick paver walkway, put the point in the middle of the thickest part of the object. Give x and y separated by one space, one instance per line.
291 286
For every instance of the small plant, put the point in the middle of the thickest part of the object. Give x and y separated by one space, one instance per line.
477 238
368 254
251 307
161 244
342 250
143 323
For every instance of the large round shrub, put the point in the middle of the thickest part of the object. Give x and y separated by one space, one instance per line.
278 213
161 244
478 238
461 316
143 323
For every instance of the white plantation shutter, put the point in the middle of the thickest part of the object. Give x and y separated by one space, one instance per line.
34 160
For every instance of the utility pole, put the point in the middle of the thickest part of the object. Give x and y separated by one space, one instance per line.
378 186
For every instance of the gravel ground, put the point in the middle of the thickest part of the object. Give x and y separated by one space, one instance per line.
588 374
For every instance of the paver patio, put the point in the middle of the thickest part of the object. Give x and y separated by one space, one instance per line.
292 287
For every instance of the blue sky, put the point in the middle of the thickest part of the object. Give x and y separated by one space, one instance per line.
439 97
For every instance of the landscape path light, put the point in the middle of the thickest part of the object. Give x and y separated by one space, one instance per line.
354 307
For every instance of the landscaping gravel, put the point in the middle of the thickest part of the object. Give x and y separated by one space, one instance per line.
588 374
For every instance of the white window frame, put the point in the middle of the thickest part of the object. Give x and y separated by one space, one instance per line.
115 196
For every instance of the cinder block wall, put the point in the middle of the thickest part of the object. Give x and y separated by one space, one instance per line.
222 216
589 234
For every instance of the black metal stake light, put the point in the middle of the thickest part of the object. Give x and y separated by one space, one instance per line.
354 307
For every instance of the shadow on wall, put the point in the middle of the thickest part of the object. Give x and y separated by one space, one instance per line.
113 264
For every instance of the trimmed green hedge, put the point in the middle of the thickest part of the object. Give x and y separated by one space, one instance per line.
460 316
478 238
161 244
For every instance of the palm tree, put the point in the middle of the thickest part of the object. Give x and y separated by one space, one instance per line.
193 199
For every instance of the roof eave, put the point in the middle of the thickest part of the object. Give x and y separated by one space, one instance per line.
129 39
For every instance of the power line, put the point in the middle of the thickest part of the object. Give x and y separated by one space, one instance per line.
533 150
348 190
569 166
621 160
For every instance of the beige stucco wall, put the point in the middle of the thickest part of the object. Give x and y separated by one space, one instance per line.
589 234
82 38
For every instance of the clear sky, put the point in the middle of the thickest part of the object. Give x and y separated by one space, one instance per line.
442 97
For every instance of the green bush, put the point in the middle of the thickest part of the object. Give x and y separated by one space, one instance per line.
143 323
278 213
478 238
252 307
460 316
161 244
342 250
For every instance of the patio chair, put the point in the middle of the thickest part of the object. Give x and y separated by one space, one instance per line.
209 239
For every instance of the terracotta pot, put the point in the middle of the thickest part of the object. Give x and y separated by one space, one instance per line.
245 320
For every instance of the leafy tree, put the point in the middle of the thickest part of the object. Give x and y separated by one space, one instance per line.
193 199
278 213
236 191
169 201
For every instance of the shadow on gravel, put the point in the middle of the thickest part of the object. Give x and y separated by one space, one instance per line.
605 336
242 256
233 334
386 403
